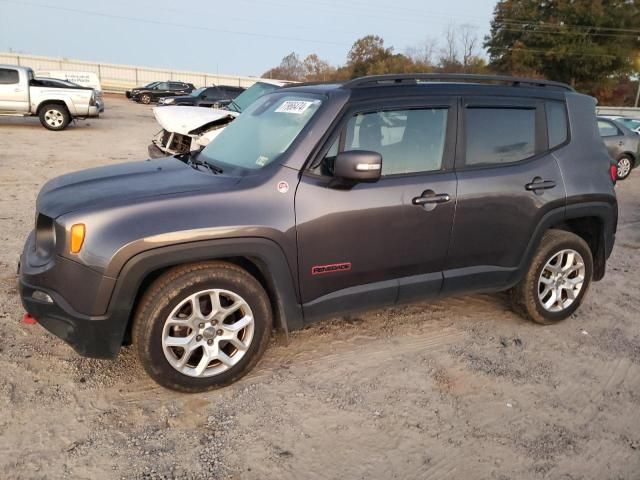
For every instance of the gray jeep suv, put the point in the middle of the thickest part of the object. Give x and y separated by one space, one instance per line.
321 200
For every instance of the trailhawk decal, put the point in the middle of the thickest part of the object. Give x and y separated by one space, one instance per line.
333 268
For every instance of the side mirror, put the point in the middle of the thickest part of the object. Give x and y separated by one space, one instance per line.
358 166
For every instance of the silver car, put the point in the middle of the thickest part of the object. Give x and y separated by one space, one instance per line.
623 145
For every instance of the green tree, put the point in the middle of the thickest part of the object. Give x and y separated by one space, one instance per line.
587 43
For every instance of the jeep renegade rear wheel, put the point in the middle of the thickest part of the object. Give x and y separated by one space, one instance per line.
557 280
202 326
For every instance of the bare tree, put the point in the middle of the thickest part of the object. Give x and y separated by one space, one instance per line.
449 52
423 53
469 43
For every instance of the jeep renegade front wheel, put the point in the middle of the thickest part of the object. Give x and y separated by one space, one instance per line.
557 280
202 326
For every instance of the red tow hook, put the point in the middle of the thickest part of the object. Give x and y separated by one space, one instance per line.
28 319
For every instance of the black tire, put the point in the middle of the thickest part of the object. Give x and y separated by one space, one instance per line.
525 295
167 292
623 173
145 98
54 116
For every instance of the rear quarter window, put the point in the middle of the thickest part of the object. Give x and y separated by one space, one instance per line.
557 128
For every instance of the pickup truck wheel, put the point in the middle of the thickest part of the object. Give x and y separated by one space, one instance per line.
145 98
557 280
202 326
54 116
625 164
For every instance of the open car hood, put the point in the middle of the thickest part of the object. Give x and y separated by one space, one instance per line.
183 120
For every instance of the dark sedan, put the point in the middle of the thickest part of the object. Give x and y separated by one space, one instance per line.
216 96
156 90
623 145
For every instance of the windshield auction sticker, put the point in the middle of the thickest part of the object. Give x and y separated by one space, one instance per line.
294 106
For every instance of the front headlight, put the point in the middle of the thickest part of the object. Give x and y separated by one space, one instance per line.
168 100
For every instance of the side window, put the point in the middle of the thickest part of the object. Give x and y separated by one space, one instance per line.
499 135
176 86
556 123
162 86
607 129
409 141
8 76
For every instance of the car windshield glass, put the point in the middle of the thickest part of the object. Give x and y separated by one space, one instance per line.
149 85
631 123
263 132
250 95
197 92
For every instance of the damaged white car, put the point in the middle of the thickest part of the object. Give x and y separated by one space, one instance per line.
185 129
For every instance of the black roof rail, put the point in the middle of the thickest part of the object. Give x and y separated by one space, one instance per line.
405 78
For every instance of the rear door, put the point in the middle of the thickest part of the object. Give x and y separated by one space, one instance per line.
179 88
508 179
377 243
14 91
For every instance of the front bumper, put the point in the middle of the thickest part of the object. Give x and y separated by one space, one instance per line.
128 93
77 312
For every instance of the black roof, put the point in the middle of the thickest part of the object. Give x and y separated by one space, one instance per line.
444 84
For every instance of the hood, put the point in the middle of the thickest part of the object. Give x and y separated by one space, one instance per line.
178 119
184 99
124 183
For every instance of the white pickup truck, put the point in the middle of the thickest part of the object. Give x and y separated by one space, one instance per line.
22 94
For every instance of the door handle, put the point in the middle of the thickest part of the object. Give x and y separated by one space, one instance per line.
17 90
539 184
431 198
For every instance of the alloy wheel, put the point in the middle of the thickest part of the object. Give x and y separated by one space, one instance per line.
208 333
54 118
624 167
561 280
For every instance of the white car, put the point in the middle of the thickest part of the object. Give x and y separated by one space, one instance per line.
185 129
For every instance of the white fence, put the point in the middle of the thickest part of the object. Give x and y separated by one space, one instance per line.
622 111
118 78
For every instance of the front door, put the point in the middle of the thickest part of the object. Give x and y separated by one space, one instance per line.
14 93
378 243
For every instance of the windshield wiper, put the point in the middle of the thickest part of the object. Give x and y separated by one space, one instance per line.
235 106
192 160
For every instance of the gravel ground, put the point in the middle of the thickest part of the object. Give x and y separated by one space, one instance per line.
458 388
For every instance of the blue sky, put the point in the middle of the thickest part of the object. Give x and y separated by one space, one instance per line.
240 37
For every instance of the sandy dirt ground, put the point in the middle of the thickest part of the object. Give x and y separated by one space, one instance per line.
458 388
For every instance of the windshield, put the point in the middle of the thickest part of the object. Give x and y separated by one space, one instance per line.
631 123
263 132
246 98
149 85
197 92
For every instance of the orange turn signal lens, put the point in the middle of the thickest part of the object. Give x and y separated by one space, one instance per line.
77 237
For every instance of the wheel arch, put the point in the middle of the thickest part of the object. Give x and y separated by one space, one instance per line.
591 223
58 101
261 258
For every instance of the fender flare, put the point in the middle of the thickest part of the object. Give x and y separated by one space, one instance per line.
71 108
265 254
602 210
